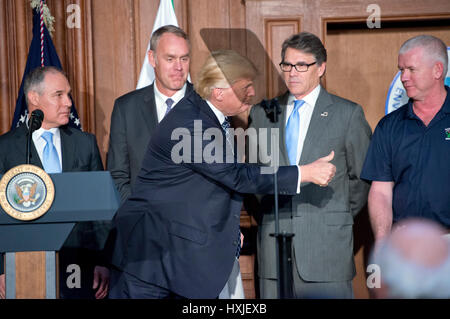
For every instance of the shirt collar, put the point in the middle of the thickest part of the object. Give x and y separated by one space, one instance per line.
163 98
55 130
218 113
309 99
444 109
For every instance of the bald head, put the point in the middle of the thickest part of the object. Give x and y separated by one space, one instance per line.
421 242
414 261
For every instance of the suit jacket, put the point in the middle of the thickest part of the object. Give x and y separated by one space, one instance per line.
179 228
320 217
133 120
79 153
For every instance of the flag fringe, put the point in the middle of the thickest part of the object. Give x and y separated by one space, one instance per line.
48 18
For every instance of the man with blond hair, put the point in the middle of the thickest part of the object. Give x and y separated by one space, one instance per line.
177 236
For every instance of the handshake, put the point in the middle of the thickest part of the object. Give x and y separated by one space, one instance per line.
319 172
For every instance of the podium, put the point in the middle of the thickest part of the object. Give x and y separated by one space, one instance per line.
30 247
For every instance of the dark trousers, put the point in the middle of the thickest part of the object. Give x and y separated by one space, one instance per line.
83 259
125 286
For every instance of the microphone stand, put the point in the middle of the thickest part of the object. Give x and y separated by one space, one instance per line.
284 239
35 122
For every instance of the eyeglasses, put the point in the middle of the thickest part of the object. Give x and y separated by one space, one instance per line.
299 67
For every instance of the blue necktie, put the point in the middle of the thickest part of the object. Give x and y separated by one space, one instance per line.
169 103
292 132
226 126
50 156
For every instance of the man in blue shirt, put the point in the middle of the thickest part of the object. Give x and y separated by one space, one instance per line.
407 160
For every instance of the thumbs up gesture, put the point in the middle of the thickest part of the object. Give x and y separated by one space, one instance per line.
319 172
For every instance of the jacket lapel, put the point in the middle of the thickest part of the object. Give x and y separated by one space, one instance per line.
148 109
284 159
318 125
68 151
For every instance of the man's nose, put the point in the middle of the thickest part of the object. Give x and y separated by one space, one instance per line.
404 75
68 101
178 65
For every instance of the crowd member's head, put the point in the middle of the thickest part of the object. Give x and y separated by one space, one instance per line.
303 63
169 55
414 261
226 79
47 89
423 62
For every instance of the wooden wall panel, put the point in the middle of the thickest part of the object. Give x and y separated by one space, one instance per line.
363 62
276 31
114 50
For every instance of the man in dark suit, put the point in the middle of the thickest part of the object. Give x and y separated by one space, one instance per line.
136 114
177 236
59 148
312 124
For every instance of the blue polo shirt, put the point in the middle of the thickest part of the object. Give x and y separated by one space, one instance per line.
417 159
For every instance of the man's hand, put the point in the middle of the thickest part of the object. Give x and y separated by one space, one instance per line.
319 172
101 281
2 287
242 240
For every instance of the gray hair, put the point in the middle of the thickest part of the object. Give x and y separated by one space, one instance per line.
411 277
434 48
167 29
34 81
307 43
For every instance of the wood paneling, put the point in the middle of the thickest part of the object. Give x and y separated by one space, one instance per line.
276 31
30 275
363 62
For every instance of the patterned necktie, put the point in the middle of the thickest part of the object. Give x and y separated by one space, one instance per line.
169 103
50 156
226 127
292 132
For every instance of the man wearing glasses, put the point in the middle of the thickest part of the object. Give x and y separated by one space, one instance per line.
314 126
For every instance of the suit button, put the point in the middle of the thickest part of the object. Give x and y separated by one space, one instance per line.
235 242
236 216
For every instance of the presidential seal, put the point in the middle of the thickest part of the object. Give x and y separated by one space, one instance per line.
26 192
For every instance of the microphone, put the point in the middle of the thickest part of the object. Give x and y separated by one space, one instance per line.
272 109
34 123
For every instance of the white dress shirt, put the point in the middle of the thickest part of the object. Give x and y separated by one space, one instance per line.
305 112
40 143
160 100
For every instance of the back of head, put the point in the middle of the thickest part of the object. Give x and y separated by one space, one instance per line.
307 43
221 69
414 260
434 49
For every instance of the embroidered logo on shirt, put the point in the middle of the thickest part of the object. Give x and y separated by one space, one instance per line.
447 134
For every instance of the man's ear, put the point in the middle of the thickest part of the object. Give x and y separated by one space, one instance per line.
322 69
33 98
217 94
152 58
438 70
